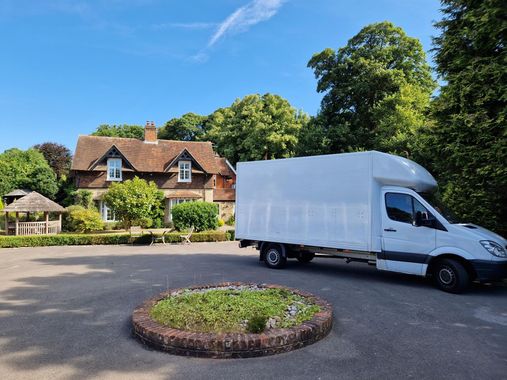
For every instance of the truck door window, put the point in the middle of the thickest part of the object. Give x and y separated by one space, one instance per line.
418 207
399 207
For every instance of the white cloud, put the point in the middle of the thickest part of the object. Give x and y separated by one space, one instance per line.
243 18
185 25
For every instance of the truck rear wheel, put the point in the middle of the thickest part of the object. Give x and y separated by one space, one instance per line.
451 276
274 257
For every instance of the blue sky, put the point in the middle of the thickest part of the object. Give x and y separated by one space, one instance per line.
68 66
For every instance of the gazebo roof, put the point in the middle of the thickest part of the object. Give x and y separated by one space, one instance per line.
18 193
33 202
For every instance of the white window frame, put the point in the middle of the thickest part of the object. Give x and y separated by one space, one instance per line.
114 166
105 212
184 172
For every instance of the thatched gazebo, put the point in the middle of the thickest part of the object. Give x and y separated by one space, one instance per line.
33 202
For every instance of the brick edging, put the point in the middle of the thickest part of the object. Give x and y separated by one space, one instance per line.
230 345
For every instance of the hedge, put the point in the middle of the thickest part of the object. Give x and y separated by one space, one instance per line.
102 239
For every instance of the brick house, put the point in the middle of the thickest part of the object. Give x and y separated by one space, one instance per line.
183 170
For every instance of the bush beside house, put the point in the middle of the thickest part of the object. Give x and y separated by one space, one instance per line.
201 215
80 219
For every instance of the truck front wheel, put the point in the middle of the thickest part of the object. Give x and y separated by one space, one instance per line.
451 276
274 257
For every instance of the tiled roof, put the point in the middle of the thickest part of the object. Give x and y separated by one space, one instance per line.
226 195
184 194
224 168
144 157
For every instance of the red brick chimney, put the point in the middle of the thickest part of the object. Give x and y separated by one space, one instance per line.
150 132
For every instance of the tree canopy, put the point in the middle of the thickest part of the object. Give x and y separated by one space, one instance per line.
189 127
377 90
58 157
134 201
256 128
131 131
469 139
26 170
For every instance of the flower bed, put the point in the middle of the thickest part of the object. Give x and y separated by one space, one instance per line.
232 320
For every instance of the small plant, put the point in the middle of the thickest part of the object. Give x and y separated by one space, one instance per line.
256 324
230 221
220 222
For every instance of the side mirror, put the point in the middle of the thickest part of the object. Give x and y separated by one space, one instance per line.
423 221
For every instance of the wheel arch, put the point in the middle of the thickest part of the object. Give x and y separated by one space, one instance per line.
264 245
452 256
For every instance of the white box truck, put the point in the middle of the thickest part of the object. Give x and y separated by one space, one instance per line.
367 206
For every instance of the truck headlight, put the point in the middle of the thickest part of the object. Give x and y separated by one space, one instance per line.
494 248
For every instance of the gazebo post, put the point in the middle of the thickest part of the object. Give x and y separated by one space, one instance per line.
59 222
46 215
6 223
17 224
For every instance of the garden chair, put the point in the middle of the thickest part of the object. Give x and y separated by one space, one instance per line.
135 231
185 239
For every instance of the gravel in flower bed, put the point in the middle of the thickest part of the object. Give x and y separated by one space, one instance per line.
234 308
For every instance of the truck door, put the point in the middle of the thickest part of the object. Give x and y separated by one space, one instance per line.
407 234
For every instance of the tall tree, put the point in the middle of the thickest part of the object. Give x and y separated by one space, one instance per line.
189 127
58 157
377 89
256 128
470 138
26 169
131 131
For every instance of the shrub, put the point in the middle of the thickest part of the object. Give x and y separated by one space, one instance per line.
201 215
230 221
256 324
80 219
220 222
99 239
230 234
82 198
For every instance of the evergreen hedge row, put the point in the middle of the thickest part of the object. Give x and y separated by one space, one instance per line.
103 239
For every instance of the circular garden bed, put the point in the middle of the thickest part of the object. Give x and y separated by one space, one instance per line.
232 320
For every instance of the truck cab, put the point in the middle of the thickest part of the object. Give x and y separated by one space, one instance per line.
418 239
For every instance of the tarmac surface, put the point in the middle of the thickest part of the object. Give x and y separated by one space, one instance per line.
65 314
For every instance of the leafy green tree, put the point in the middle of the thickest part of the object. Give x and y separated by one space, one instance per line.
26 169
58 157
134 201
256 128
131 131
377 90
469 140
189 127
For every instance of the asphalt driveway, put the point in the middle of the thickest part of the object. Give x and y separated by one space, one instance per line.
65 314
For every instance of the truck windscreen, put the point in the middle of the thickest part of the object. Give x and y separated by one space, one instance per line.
437 204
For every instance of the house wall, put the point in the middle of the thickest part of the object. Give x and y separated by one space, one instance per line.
98 179
225 210
224 183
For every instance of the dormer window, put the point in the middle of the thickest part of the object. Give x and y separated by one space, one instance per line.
185 171
114 169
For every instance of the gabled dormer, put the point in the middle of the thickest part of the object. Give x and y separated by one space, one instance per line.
114 163
184 164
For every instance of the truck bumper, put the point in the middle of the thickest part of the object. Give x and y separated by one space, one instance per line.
490 270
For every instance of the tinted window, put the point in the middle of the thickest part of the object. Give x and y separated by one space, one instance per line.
418 207
399 207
